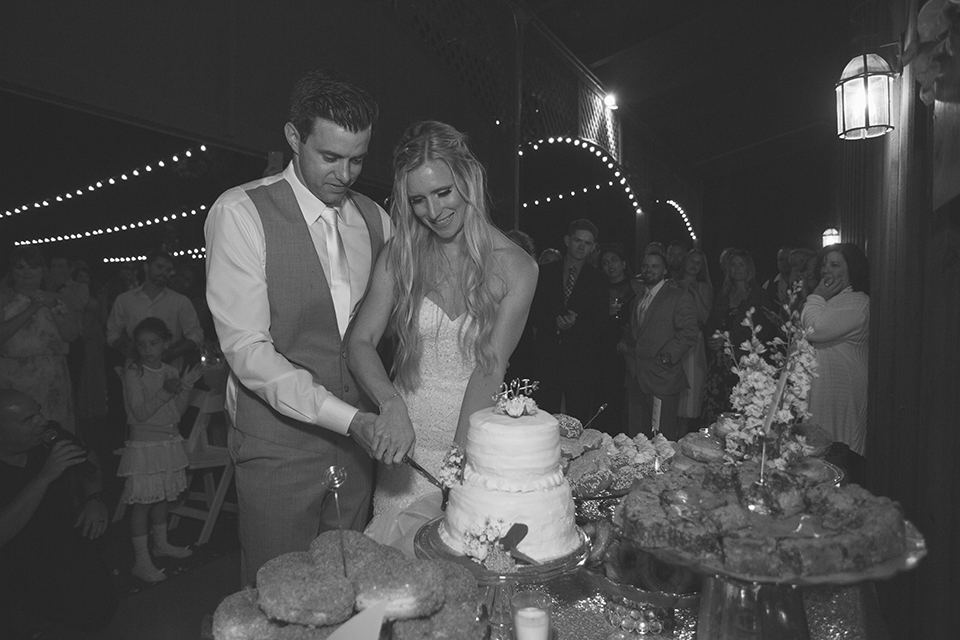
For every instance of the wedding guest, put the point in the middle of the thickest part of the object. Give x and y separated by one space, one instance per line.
50 566
621 291
739 296
663 327
154 459
36 330
725 263
837 314
567 312
695 279
777 287
676 251
154 299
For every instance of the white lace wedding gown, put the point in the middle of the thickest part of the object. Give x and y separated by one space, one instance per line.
403 500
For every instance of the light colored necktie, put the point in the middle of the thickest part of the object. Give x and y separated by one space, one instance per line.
339 274
642 308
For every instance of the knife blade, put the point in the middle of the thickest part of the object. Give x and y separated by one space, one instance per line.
410 462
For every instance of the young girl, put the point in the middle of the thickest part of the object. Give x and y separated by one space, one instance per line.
154 459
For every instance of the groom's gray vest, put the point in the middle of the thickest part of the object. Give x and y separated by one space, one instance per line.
303 323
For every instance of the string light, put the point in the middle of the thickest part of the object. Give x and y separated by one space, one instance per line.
686 220
573 193
198 253
172 217
598 152
96 186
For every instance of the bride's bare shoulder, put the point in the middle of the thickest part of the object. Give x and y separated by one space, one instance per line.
514 263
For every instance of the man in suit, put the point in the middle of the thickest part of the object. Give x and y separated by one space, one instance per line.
289 258
663 326
567 313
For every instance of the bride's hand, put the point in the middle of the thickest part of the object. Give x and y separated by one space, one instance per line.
394 436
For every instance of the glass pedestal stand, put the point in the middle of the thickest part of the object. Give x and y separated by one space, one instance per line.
736 610
497 589
496 605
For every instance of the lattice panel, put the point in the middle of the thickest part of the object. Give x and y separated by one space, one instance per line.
549 105
597 123
474 40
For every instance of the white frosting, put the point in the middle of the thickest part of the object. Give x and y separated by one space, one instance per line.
516 450
549 516
513 474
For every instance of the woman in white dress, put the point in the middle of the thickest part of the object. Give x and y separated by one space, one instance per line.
453 292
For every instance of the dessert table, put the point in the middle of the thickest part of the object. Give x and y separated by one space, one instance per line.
590 607
833 611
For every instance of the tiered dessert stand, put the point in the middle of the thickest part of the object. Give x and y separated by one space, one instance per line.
498 588
754 607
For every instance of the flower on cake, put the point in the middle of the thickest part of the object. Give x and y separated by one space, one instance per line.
451 470
771 395
480 539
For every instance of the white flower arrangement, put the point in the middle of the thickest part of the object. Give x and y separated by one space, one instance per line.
480 539
772 392
451 470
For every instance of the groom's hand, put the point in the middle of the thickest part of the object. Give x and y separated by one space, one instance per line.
395 436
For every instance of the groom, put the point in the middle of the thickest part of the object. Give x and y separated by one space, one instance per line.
288 260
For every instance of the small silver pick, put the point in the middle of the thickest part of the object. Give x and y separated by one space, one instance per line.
599 411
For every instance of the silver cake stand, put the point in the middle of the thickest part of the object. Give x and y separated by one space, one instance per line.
498 588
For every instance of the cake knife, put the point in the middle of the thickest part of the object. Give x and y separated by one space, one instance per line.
444 491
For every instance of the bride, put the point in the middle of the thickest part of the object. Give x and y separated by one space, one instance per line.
453 292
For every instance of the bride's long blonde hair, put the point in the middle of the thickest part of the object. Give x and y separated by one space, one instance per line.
417 260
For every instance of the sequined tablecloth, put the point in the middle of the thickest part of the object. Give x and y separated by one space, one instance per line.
833 612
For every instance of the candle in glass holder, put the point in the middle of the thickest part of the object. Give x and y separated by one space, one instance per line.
531 615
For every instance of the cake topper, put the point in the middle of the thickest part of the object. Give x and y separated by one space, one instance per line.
512 399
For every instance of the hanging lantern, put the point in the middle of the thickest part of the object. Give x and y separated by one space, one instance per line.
831 236
863 98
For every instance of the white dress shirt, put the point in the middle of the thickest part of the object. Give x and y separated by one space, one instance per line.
237 295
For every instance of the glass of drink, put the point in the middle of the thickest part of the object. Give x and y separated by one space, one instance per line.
531 615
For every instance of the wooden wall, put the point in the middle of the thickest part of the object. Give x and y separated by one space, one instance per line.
913 447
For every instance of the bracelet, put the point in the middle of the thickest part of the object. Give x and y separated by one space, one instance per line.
383 402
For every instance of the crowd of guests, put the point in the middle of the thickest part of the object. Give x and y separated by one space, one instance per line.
651 352
357 338
80 368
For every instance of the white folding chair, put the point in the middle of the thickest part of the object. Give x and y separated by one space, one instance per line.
205 459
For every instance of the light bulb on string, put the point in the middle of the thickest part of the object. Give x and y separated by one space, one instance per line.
99 184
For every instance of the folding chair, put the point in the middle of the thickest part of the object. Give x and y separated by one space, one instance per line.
205 459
